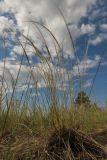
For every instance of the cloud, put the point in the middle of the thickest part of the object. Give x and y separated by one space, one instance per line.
5 24
87 28
88 83
41 9
81 30
47 13
38 41
103 27
18 50
85 65
43 75
98 39
9 70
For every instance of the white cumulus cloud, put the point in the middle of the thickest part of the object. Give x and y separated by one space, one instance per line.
47 13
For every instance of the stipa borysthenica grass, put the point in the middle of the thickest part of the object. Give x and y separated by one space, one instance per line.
23 125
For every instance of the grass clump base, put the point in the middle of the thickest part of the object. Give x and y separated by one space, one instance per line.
70 144
64 143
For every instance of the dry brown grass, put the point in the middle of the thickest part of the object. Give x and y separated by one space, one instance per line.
38 135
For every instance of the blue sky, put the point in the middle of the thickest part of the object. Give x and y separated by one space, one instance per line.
87 22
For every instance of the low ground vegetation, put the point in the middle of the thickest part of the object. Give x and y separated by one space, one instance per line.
35 134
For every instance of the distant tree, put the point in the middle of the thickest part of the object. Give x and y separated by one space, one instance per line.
82 99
